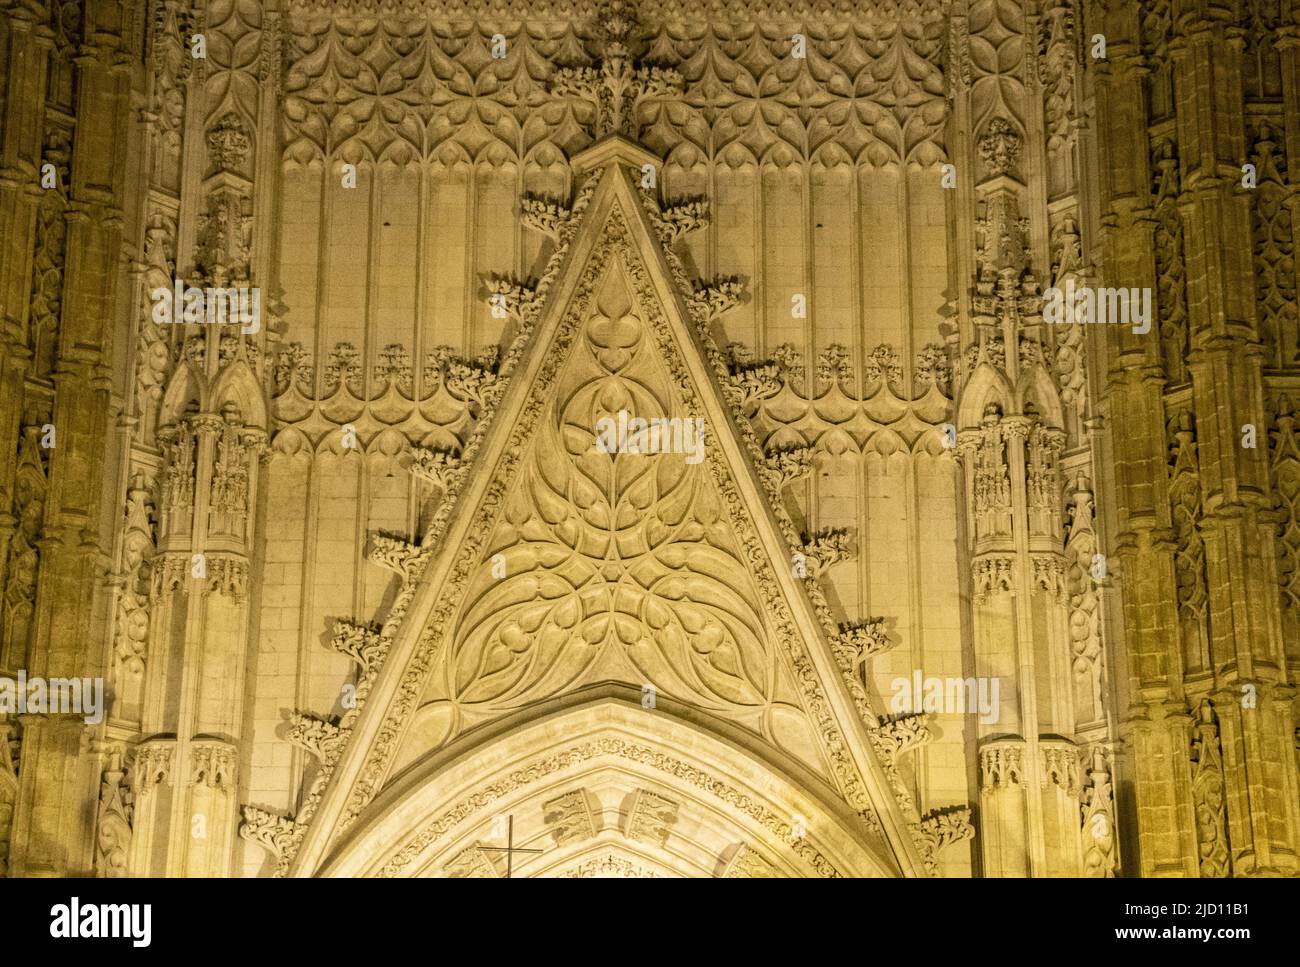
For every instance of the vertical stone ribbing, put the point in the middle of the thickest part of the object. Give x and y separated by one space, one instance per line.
56 779
25 40
1255 731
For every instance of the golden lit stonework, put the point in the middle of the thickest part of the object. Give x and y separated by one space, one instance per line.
600 438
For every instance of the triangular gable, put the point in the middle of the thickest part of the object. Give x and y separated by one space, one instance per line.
563 566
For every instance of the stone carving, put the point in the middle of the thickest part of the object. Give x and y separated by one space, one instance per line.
171 64
608 867
1043 478
1189 555
992 574
1058 61
853 645
651 817
672 221
228 501
901 734
716 788
1087 655
1285 461
554 219
343 368
152 767
619 550
882 366
1070 358
225 237
442 468
569 818
177 491
940 829
1048 572
212 764
932 368
616 88
709 300
612 341
228 143
517 299
394 367
786 465
1171 286
398 555
131 628
747 863
999 146
321 737
1001 763
862 640
273 833
360 643
686 90
1274 250
754 382
772 395
1098 804
1060 764
49 253
153 365
472 863
22 564
293 368
992 490
833 366
826 548
10 749
1208 794
228 575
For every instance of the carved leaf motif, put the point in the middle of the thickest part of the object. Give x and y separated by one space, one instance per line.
610 564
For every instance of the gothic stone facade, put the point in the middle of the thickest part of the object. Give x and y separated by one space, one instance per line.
364 589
